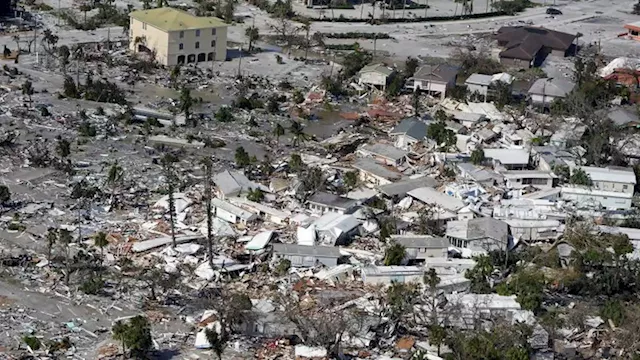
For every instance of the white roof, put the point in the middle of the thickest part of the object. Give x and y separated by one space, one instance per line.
392 270
587 191
612 174
259 241
508 156
429 195
479 79
259 207
528 174
239 212
520 223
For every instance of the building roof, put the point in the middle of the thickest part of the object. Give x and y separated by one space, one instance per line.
411 127
230 182
421 241
331 200
478 174
385 151
479 79
580 190
336 222
401 188
172 19
617 174
508 156
623 116
379 68
478 228
372 167
305 250
441 73
392 270
524 42
429 195
633 25
552 87
237 211
528 174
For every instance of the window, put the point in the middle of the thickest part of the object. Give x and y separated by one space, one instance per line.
197 32
213 43
625 187
213 31
197 45
144 26
181 34
181 46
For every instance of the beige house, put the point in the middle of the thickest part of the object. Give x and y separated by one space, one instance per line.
177 37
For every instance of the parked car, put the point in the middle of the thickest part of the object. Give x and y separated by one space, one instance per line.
553 11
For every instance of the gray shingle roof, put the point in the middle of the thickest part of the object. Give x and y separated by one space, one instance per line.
232 181
440 73
479 79
552 87
384 150
379 68
411 127
370 166
332 200
421 241
401 188
478 228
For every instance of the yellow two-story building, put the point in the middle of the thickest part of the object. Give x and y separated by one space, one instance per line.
177 37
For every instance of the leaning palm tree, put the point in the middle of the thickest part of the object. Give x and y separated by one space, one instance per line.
208 165
297 131
278 131
114 179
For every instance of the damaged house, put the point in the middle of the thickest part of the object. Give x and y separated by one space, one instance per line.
480 234
306 256
322 202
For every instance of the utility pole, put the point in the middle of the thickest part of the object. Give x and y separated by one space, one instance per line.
240 62
59 13
35 40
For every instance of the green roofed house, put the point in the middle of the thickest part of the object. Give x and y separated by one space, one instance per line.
377 75
177 37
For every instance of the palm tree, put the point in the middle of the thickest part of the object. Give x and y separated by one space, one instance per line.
114 179
318 39
208 164
27 89
175 74
100 241
120 331
167 164
306 27
65 238
84 8
253 35
297 131
278 131
186 102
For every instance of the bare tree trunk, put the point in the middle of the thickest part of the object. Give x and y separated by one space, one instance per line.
172 209
207 198
426 7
